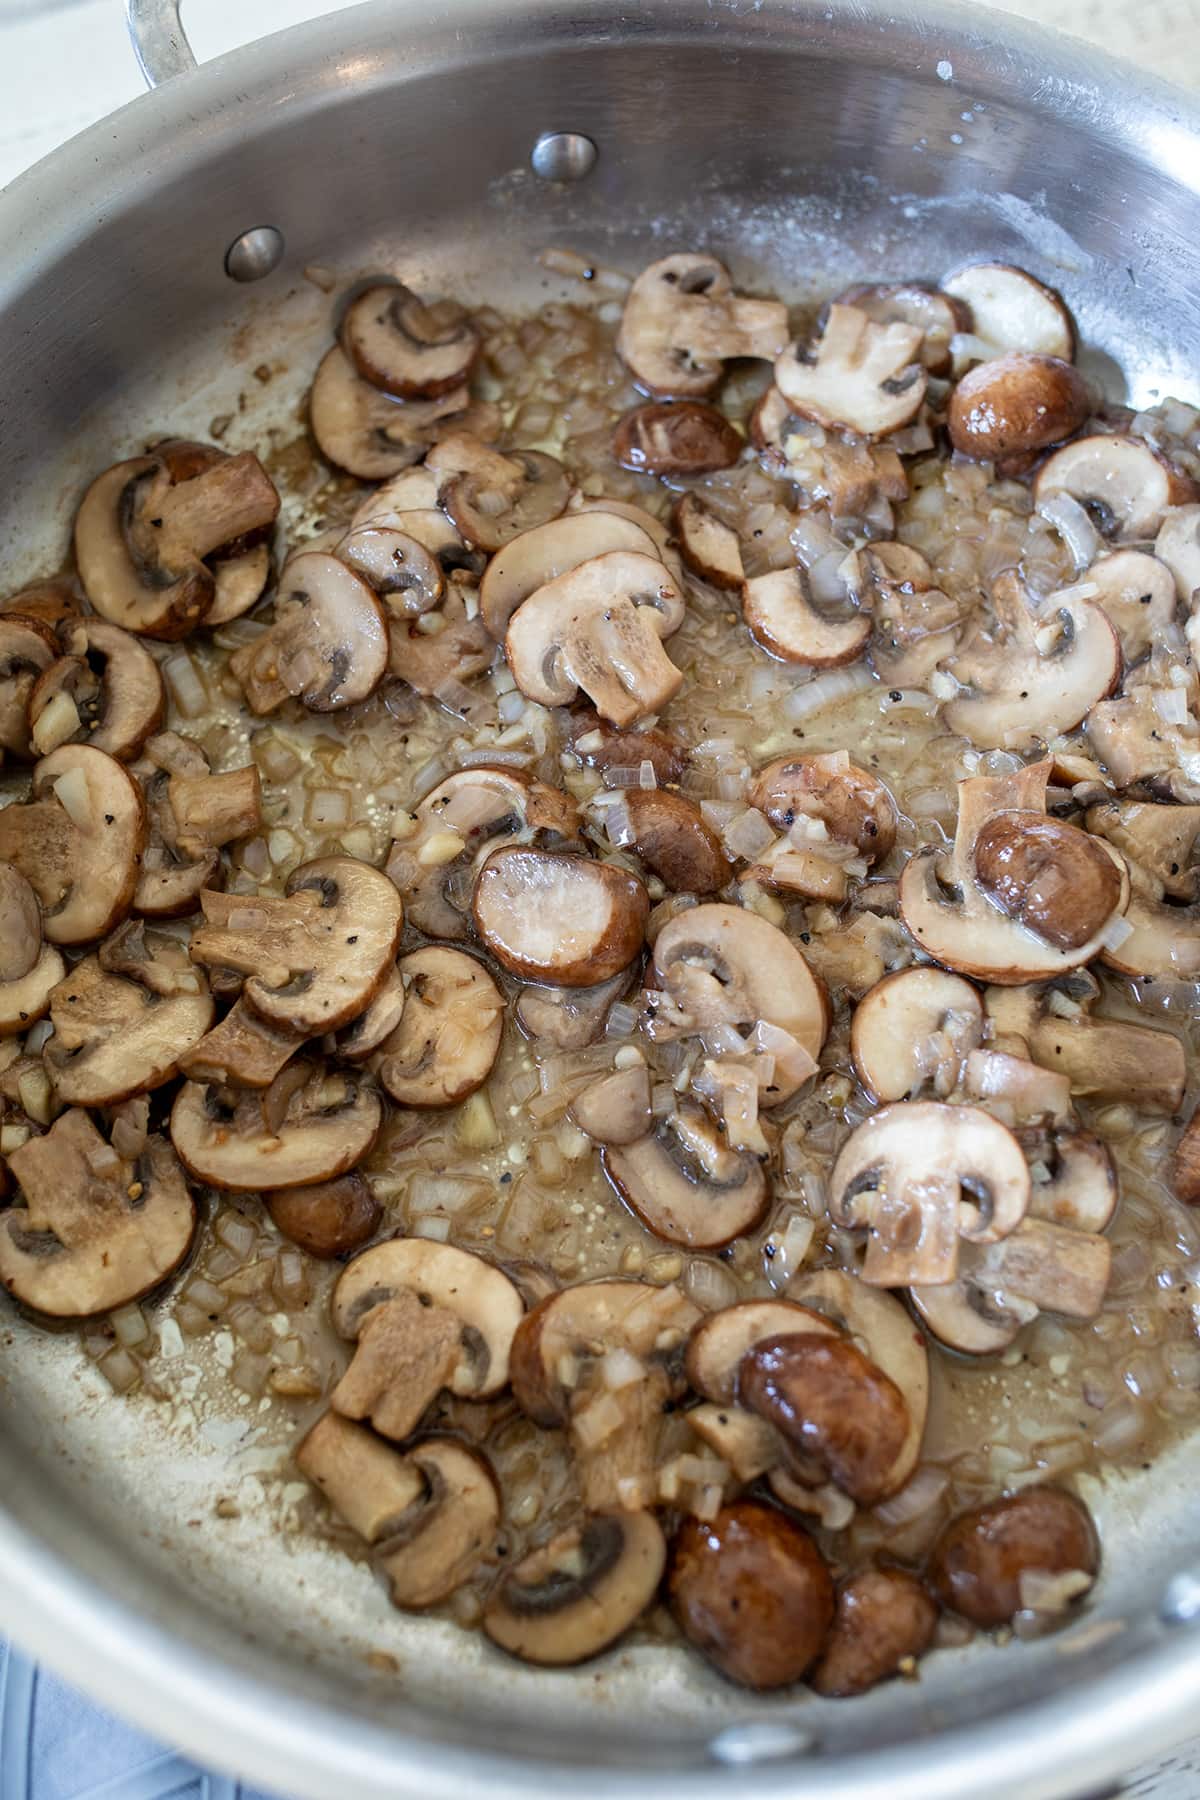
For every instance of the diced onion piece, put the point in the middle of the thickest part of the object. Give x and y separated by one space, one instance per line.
915 1498
749 834
71 791
1074 527
1171 705
827 689
620 1369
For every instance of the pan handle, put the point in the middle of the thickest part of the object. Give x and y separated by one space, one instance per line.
159 40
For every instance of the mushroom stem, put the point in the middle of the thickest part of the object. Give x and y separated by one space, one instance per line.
196 517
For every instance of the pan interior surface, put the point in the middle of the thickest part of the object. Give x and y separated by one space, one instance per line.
807 146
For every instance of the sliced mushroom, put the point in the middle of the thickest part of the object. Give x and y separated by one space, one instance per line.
601 746
96 1230
615 1109
359 1040
1029 677
114 1037
1051 877
423 1316
77 842
938 317
1137 592
492 495
721 1341
822 800
52 600
559 918
580 1592
449 1032
406 347
242 566
920 1175
327 644
1075 1178
1103 1059
1026 1094
1016 404
654 528
329 1219
1177 547
856 480
950 916
431 1514
106 691
212 810
242 1051
784 619
605 1359
20 925
1040 1267
1136 743
984 1563
856 375
675 842
746 1443
751 1592
915 1027
682 321
709 547
1124 485
681 438
407 577
548 551
1162 840
168 883
28 647
316 1128
1011 310
599 627
686 1184
916 625
315 958
372 436
27 999
569 1018
438 662
412 490
884 1621
141 538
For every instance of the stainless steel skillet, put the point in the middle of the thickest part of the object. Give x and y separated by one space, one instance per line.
807 144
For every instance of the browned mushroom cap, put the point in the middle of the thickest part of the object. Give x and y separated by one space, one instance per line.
1015 404
1051 877
493 495
884 1621
784 619
1075 1178
1122 483
559 918
28 648
315 958
569 1018
682 321
686 1184
675 842
315 1127
96 1230
77 842
541 555
397 566
721 1340
372 436
834 1405
327 644
685 438
1029 677
856 375
141 537
919 1175
1106 1059
913 1027
601 746
242 1051
938 317
441 651
424 1316
410 349
27 999
115 1036
1011 310
577 1594
106 691
853 806
20 925
51 600
599 627
709 547
615 1109
329 1219
449 1032
1137 591
995 1560
751 1592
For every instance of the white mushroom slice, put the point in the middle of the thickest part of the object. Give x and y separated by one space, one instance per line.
615 1109
1135 743
604 1358
1178 547
528 562
396 567
439 653
1162 840
1028 677
1010 310
241 580
580 1592
1103 1059
721 965
449 1032
77 842
1074 1177
369 434
28 647
115 1037
654 528
327 1124
424 1316
968 1318
676 842
1137 592
1025 1092
27 999
20 925
856 480
856 375
242 1051
709 547
411 350
1039 1268
327 645
915 1027
559 918
938 317
359 1040
915 624
315 958
431 1513
106 691
682 321
493 495
599 627
951 917
1124 485
917 1177
1163 941
412 490
96 1230
783 618
241 566
212 810
686 1185
747 1443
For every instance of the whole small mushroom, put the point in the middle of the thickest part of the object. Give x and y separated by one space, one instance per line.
1015 405
996 1560
884 1621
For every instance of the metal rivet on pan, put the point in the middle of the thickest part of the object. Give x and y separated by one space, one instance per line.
563 156
254 254
760 1740
1181 1602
